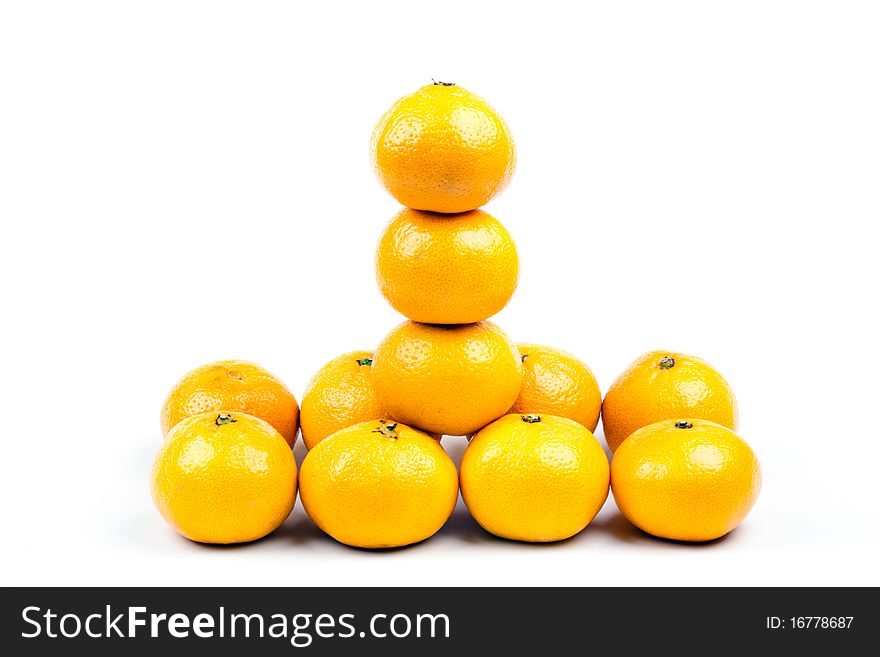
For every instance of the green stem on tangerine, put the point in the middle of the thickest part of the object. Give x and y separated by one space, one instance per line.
224 418
531 419
667 363
364 361
684 425
388 429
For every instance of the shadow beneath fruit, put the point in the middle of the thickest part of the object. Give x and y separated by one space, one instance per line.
462 526
689 544
221 547
467 530
299 530
386 550
599 434
616 525
621 529
299 451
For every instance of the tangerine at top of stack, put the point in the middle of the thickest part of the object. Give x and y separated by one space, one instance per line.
443 149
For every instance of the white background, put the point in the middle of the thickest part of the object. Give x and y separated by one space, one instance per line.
187 181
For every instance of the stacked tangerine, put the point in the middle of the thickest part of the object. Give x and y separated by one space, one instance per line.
376 474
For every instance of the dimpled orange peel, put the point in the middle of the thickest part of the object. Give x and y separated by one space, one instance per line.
447 379
232 385
379 484
685 479
446 269
339 395
224 477
534 478
443 149
665 384
557 383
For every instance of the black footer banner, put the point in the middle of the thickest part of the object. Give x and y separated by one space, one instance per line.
432 621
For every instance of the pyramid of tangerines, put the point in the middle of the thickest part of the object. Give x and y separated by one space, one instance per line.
376 474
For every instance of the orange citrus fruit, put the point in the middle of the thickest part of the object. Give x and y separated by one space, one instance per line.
661 385
447 379
687 480
557 383
443 149
446 269
534 478
224 477
379 484
339 395
232 385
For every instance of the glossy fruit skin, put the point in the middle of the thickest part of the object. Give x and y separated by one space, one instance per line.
232 385
665 384
447 379
443 149
534 480
685 479
446 269
224 477
379 484
339 395
557 383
